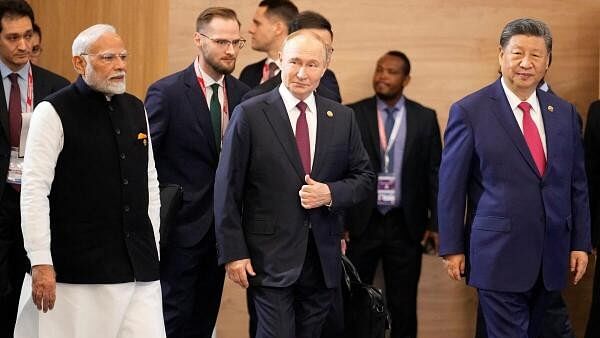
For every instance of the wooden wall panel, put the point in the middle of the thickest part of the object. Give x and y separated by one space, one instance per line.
143 25
452 45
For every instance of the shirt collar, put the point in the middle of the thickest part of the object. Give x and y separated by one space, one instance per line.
514 100
23 72
269 60
290 101
381 105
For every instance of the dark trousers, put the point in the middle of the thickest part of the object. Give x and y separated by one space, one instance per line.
593 324
556 323
192 284
296 311
13 260
387 238
514 314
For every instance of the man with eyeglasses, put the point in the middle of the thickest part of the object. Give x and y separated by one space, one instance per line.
90 205
23 87
36 45
188 113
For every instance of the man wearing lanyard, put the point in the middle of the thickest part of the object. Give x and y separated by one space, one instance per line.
188 112
403 141
24 85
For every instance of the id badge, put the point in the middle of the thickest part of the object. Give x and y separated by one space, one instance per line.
15 167
386 190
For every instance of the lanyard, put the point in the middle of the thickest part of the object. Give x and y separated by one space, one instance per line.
29 101
386 146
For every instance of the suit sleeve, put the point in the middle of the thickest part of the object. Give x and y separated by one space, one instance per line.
229 187
158 116
435 154
592 156
360 178
453 181
580 233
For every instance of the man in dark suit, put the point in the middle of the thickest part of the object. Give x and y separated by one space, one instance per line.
268 29
393 230
318 24
188 113
514 156
592 156
31 84
291 161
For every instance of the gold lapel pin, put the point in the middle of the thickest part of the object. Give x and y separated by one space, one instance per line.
329 113
550 108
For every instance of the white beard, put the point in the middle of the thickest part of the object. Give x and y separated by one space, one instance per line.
104 85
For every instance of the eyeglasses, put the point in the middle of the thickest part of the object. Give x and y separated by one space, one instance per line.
224 43
109 57
36 50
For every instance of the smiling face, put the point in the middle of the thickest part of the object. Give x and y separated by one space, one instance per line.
303 62
523 63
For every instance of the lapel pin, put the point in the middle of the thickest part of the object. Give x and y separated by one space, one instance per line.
144 138
550 108
329 113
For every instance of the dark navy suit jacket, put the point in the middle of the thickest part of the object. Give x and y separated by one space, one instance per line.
257 207
184 147
518 224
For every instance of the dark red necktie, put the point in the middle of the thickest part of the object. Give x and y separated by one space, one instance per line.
14 111
302 139
533 139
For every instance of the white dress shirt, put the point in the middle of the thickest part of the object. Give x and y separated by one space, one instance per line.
535 112
290 102
44 144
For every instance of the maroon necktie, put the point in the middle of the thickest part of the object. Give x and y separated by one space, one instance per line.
14 111
532 137
302 139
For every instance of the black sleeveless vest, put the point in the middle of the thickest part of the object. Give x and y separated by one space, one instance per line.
99 224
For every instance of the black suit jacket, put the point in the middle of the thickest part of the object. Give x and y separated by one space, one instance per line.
252 74
422 154
257 207
44 83
184 147
592 156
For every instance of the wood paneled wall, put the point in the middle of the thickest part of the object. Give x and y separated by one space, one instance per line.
143 25
453 45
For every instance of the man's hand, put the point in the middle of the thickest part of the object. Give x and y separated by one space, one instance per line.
455 264
237 271
433 236
43 286
579 261
314 194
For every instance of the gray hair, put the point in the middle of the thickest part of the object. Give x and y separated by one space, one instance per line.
82 42
529 27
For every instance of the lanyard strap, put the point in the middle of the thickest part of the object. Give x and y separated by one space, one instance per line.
386 146
29 101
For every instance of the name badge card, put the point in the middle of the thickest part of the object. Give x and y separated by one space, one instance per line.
15 167
386 190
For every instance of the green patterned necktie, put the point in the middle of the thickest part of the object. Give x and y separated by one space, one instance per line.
215 114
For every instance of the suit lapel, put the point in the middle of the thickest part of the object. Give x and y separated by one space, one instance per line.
198 104
551 127
505 116
3 110
412 127
373 128
277 116
325 130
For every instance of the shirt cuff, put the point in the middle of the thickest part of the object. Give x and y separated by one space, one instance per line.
40 257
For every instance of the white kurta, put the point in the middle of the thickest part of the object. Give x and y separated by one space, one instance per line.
104 311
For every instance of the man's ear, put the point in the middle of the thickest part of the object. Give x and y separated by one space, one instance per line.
79 64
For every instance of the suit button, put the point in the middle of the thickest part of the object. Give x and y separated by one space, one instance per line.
122 156
127 234
125 181
111 108
126 208
118 131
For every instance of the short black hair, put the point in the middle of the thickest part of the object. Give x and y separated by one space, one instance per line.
404 58
38 30
528 27
15 9
285 10
308 20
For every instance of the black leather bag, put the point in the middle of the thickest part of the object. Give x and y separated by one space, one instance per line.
365 314
171 198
